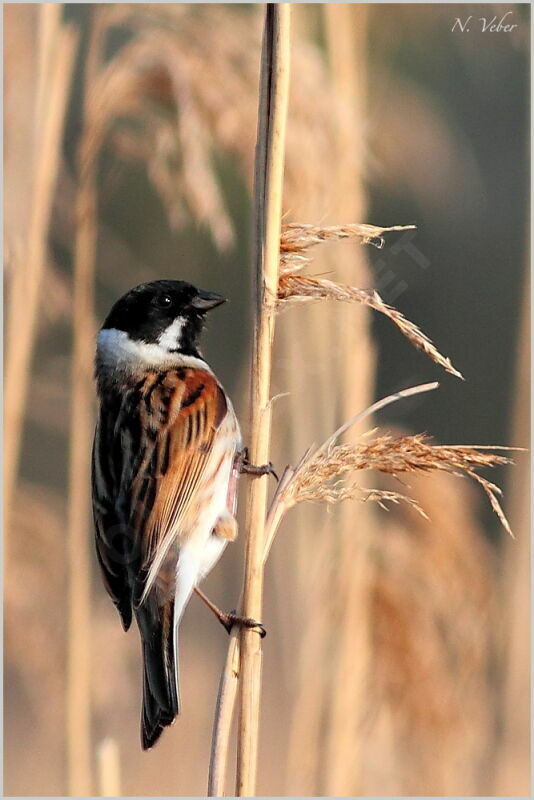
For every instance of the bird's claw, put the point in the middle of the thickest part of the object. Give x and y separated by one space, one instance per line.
229 620
270 471
245 467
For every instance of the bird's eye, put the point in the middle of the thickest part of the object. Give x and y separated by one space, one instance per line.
163 301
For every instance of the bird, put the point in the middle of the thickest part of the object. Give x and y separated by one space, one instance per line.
167 455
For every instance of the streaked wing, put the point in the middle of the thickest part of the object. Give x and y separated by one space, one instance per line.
193 406
114 545
165 431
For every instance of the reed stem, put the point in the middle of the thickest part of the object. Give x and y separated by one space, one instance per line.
28 277
78 715
81 423
109 775
346 31
224 713
274 89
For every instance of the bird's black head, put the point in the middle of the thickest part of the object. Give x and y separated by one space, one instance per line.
167 315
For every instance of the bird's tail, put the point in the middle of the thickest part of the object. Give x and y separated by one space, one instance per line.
161 694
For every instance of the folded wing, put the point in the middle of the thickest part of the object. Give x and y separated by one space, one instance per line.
147 468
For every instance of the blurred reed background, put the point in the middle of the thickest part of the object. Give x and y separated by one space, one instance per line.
397 657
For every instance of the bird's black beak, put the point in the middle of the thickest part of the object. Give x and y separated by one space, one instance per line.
205 301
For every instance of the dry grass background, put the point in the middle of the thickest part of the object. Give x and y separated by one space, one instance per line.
394 649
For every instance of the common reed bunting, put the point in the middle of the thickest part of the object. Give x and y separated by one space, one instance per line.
166 458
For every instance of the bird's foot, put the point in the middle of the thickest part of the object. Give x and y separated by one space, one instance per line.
228 620
245 467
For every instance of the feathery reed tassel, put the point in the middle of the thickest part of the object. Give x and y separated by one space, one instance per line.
320 475
298 237
295 241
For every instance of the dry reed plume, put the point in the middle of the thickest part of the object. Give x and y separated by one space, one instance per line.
319 476
294 243
166 80
297 238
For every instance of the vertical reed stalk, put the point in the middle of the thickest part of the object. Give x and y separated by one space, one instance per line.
327 702
27 279
513 755
274 89
49 26
310 338
230 675
79 561
109 776
346 27
224 712
81 431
